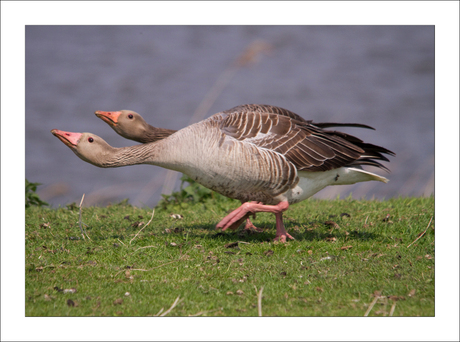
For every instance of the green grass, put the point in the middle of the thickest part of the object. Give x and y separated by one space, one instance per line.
335 267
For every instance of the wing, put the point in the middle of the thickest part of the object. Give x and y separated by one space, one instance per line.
304 144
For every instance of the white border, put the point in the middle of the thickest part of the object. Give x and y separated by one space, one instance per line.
15 15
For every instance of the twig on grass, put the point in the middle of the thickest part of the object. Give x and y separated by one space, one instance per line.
172 307
259 301
144 247
166 263
372 305
80 220
230 264
131 269
392 309
141 269
153 212
203 312
117 273
422 233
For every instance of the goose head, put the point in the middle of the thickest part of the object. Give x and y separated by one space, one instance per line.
87 146
131 125
127 123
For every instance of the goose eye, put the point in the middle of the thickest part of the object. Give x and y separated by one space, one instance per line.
90 139
130 116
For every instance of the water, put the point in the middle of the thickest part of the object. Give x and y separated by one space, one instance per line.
382 76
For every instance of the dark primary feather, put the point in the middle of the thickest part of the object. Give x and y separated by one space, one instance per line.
304 143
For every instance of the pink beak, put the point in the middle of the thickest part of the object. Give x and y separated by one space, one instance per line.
110 117
69 138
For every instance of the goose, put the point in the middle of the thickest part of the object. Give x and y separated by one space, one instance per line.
131 125
251 153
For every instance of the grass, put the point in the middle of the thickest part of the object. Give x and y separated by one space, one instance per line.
348 255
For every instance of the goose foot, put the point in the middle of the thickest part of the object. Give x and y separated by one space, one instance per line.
249 227
282 238
233 220
237 216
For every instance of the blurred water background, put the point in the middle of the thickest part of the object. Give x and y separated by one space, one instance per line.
382 76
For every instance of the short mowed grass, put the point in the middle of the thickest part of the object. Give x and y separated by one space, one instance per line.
350 257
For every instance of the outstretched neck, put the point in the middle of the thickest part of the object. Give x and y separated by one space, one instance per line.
124 156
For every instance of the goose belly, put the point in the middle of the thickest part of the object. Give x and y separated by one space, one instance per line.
242 177
234 169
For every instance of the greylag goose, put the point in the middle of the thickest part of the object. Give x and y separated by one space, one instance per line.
251 153
131 125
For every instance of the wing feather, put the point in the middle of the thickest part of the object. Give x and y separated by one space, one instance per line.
308 146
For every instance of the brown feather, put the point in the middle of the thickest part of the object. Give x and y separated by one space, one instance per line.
305 144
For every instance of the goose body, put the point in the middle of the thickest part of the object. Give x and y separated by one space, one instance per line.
245 171
250 153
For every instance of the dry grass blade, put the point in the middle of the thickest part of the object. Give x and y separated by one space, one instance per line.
259 301
170 262
131 269
80 220
144 247
203 312
230 264
141 269
153 212
392 309
371 306
422 233
172 307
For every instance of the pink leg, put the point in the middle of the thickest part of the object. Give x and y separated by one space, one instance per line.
237 216
249 226
281 233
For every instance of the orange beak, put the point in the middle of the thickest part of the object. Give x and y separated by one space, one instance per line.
110 117
69 138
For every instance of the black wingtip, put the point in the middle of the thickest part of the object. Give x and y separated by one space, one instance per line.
338 124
